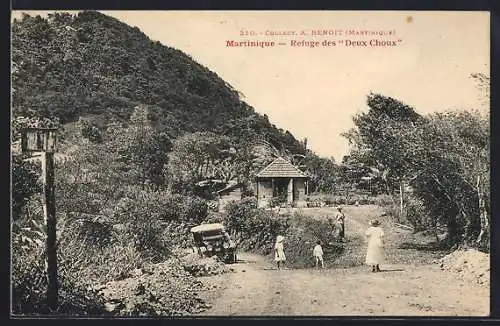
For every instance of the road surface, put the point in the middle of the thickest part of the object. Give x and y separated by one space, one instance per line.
257 288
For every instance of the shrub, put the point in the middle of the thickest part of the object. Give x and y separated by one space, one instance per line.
29 285
141 216
184 209
91 132
383 200
301 237
238 212
256 230
195 209
253 228
417 215
24 183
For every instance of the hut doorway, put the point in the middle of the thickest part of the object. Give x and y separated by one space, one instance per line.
280 189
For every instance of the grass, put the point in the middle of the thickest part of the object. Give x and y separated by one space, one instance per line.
402 246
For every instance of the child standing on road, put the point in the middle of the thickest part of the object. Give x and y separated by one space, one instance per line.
279 251
318 254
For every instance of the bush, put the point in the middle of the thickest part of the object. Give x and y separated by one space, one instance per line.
185 209
24 183
301 237
141 216
383 200
256 230
417 215
352 198
251 227
91 132
29 286
238 212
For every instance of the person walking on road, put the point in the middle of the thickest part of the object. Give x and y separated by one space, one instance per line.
318 254
375 249
340 220
279 251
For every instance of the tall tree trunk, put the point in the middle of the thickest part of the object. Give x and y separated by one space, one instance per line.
483 212
434 226
452 230
400 199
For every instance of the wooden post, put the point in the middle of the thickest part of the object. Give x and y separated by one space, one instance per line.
400 200
49 209
289 197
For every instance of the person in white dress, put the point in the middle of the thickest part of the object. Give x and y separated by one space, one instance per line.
375 249
279 251
318 254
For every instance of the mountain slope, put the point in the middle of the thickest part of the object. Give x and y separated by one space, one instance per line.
71 66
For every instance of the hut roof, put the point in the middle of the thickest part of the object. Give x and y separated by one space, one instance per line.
281 168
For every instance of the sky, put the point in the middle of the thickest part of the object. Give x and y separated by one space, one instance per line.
314 91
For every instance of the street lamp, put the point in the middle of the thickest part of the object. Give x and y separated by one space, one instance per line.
44 140
38 140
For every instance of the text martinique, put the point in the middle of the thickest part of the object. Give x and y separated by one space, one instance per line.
250 44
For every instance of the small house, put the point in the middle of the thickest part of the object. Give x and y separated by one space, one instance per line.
281 183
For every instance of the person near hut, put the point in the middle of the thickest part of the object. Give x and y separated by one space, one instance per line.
340 220
318 254
333 230
279 252
375 249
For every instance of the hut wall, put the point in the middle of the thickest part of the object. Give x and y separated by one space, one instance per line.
265 193
299 189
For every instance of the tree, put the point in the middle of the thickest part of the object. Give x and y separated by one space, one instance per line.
443 156
199 156
144 151
323 173
483 85
377 141
457 180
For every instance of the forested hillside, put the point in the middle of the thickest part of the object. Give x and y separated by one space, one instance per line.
90 64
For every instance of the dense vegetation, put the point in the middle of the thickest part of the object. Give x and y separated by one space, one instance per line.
71 66
442 157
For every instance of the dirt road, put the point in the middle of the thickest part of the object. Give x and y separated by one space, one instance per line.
256 288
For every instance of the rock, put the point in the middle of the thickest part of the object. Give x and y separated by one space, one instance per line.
111 307
96 288
136 272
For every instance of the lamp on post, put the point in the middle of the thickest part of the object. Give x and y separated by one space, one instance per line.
44 140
